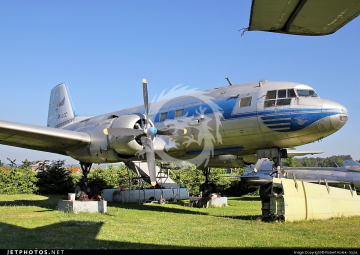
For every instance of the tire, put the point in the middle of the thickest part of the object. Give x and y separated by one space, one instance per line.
265 191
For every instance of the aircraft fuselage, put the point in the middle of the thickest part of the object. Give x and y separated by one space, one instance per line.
227 125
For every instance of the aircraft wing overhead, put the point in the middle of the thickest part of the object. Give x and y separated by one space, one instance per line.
41 138
302 17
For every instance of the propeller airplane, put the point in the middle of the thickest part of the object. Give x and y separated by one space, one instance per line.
229 126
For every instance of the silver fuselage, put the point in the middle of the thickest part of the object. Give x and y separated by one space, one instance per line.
218 125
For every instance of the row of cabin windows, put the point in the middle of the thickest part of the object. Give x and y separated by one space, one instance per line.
273 98
178 113
243 102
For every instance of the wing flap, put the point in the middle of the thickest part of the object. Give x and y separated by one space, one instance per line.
41 138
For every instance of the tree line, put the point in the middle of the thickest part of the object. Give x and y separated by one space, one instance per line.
54 178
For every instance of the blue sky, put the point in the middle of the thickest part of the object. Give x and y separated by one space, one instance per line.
103 49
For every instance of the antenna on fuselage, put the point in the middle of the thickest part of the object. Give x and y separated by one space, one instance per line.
262 82
228 81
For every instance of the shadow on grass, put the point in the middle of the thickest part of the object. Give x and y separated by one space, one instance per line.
247 198
149 207
66 235
50 203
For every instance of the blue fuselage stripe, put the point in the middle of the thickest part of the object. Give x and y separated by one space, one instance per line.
215 151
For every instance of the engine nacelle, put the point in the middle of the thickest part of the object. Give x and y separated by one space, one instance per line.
126 145
110 148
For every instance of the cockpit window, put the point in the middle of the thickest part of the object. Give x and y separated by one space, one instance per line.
291 93
279 97
282 93
306 93
271 94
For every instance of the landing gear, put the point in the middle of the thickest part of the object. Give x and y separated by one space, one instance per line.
277 166
207 188
84 188
267 189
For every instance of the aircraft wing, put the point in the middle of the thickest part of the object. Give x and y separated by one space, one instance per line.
295 153
41 138
302 17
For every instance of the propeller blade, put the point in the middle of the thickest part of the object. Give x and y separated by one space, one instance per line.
146 101
150 157
123 131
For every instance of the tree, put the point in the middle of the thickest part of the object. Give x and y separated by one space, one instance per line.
54 178
26 164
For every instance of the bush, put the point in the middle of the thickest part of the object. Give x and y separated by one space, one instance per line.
113 177
18 181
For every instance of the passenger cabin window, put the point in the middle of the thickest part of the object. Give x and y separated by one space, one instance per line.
245 101
163 116
279 97
179 113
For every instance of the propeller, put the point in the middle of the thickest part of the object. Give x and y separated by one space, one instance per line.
147 135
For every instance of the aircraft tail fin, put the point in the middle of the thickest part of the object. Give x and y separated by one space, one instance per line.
61 112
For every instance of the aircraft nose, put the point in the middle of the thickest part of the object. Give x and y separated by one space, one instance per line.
337 113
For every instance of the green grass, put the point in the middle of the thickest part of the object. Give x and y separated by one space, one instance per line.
33 222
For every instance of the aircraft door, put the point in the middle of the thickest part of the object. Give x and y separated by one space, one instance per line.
244 118
274 109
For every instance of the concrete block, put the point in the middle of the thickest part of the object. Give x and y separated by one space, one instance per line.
218 201
82 206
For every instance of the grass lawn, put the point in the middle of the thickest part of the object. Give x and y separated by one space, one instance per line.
33 222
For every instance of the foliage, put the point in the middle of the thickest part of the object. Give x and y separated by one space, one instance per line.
54 178
112 177
26 164
332 161
190 177
17 181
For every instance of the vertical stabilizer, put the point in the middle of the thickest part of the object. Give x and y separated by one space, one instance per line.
60 109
